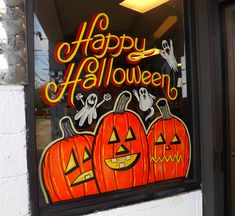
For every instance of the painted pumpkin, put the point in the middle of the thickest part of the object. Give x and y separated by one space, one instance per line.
169 146
65 167
120 149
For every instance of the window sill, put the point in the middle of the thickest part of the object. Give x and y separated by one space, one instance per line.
120 198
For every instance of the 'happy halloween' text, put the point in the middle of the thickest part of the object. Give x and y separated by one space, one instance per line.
98 70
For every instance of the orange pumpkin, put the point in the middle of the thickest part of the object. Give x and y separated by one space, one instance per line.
120 149
65 168
169 146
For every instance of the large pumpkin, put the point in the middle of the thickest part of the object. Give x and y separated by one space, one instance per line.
120 149
169 146
65 167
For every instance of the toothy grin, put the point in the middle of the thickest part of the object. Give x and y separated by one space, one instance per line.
122 163
84 177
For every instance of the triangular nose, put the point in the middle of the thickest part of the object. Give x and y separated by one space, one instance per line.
122 150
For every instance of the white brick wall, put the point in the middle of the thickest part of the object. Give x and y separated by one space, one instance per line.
14 199
14 196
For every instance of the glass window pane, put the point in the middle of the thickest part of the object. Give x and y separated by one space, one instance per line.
112 107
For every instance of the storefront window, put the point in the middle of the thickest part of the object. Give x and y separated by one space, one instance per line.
113 102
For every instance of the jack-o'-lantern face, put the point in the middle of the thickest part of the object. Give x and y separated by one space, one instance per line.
120 149
66 168
79 164
168 142
123 159
169 146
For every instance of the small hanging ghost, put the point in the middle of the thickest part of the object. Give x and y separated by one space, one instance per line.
145 100
89 107
168 54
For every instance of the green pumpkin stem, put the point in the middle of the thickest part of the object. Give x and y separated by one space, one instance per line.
164 109
67 128
122 102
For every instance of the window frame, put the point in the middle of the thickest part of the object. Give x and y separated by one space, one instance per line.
100 203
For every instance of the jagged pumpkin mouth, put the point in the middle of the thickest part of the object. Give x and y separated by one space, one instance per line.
84 177
171 158
123 163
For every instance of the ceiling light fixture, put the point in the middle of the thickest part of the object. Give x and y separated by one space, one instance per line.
165 26
142 6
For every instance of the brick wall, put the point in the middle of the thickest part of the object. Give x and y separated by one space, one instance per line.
13 164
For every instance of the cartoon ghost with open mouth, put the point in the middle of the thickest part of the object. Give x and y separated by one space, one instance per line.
145 100
168 54
89 107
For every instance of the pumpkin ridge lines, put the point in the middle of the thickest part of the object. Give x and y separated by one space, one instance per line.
142 150
79 167
45 184
184 146
185 149
89 149
142 156
185 142
154 152
89 142
94 163
146 147
176 132
52 180
131 151
41 178
56 188
115 172
188 145
49 179
188 149
151 176
95 156
102 153
64 177
163 149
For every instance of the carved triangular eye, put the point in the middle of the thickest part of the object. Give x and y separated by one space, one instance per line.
114 137
72 163
87 155
160 140
130 135
175 140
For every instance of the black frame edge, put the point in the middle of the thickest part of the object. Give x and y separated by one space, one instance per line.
29 113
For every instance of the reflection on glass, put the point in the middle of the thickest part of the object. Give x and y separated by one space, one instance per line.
132 62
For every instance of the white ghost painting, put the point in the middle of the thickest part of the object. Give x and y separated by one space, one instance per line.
89 107
168 54
145 100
